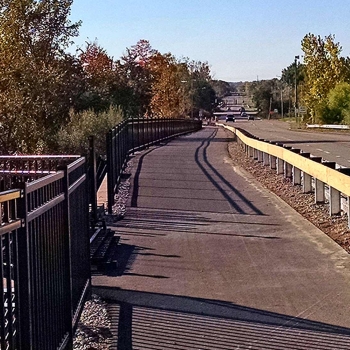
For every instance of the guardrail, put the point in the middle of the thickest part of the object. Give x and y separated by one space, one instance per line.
44 250
136 134
328 126
311 172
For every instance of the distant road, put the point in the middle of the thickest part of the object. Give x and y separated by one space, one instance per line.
331 146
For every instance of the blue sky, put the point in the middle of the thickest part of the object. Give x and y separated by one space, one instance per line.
242 40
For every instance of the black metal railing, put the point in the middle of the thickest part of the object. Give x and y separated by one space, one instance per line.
45 221
44 250
135 134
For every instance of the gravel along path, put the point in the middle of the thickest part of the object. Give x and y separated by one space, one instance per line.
94 328
93 331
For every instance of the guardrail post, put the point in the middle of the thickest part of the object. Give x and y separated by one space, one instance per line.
347 172
296 171
287 167
288 170
260 156
334 201
266 159
255 154
273 162
319 185
307 179
307 183
280 166
334 195
251 152
319 191
296 176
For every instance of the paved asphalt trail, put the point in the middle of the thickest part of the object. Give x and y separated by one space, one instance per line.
211 260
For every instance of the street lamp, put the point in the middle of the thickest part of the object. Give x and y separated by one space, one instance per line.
296 89
281 87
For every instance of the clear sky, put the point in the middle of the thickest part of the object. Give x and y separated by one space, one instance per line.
242 40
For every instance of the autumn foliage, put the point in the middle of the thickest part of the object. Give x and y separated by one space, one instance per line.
45 91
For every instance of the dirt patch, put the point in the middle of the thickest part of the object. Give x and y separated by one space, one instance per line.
335 226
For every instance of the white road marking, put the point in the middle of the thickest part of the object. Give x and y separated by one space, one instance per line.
327 152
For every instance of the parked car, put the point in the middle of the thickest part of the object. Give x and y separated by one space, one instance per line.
230 118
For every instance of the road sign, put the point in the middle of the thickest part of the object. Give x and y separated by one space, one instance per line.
302 110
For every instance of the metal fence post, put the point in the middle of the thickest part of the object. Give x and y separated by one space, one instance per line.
68 273
25 307
110 176
93 179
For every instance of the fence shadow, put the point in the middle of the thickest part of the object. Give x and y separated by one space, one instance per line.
203 148
196 323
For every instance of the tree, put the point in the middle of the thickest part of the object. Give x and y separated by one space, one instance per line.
99 74
324 68
167 88
204 97
134 66
221 88
262 95
288 74
39 82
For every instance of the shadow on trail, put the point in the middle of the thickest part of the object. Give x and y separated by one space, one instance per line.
217 179
155 321
145 222
203 147
125 256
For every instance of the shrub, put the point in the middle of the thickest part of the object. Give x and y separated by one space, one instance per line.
74 137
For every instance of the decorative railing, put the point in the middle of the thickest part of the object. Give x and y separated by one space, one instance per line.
135 134
44 250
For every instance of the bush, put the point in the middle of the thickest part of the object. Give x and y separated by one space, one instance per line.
74 137
337 109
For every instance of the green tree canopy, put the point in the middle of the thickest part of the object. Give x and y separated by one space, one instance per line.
337 108
324 68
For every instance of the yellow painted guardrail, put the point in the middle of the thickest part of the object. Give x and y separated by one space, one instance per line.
329 176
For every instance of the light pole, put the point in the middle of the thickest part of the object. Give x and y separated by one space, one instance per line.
296 89
192 97
281 87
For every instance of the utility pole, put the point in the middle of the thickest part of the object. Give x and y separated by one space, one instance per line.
282 101
296 90
192 98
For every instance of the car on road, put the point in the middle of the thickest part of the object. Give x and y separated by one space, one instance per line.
245 115
230 118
